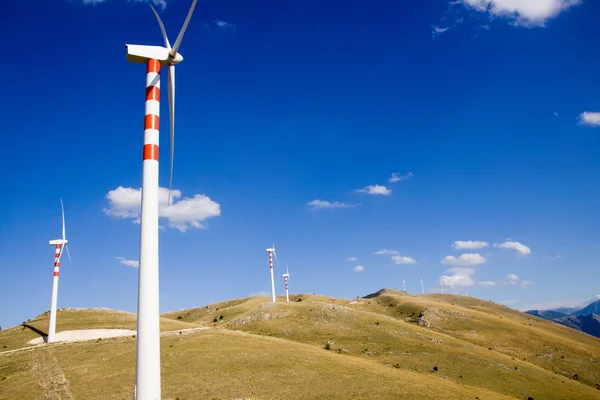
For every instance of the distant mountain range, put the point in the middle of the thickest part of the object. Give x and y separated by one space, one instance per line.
586 319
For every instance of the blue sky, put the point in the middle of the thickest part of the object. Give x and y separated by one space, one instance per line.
292 118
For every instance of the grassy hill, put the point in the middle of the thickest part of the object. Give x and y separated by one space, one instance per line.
388 345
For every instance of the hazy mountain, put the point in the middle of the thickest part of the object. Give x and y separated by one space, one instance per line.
547 314
586 319
589 324
593 308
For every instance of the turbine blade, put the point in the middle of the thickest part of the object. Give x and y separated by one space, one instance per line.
162 28
175 48
62 210
68 253
275 253
172 121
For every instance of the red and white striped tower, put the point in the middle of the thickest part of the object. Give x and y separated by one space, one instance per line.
52 327
148 382
287 295
271 251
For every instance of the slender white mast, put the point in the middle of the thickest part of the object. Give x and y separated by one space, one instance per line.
148 371
271 251
286 277
422 287
404 284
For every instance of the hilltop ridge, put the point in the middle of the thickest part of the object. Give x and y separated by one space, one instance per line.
319 347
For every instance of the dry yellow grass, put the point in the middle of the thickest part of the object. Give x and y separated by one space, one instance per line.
383 347
69 319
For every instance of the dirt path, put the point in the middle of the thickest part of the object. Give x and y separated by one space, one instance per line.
50 376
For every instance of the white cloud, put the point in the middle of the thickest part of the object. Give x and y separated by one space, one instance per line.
590 118
375 190
458 276
487 283
385 251
183 214
525 284
260 294
403 260
359 268
469 245
512 278
528 13
352 259
520 248
396 177
555 114
465 260
225 25
556 257
437 31
321 204
128 263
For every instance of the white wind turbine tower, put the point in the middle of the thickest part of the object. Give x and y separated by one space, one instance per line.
59 244
286 276
404 284
271 251
442 287
422 287
148 379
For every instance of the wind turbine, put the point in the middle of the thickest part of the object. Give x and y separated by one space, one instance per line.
404 284
271 251
286 277
442 287
148 381
59 244
422 287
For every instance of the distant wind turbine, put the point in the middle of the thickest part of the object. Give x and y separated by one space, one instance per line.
59 244
148 378
272 252
422 287
404 284
442 287
286 277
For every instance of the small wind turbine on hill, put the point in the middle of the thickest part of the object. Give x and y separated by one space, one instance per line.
60 245
271 251
403 285
422 287
442 287
286 277
148 380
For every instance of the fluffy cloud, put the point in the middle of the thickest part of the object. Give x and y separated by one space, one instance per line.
403 260
464 260
128 263
359 268
525 284
458 276
590 118
520 248
487 283
512 278
183 214
396 177
385 251
161 3
376 190
224 25
528 13
321 204
469 245
260 294
352 259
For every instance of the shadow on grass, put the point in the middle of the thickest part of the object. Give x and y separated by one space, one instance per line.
43 334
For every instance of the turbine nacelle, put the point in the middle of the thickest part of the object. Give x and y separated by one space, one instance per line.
285 275
271 250
59 241
140 54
